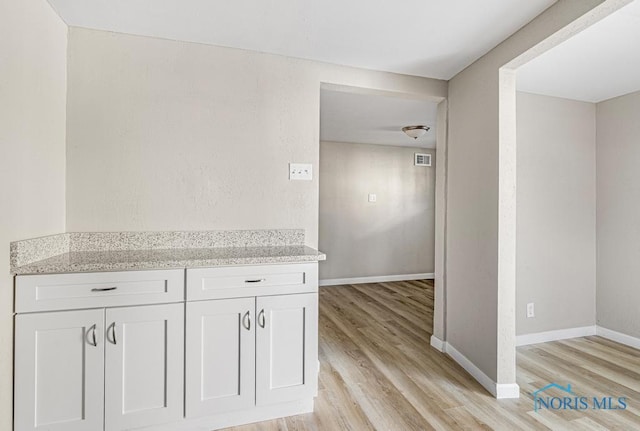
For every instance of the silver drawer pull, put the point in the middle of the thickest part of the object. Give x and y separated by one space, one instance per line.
256 280
103 289
261 319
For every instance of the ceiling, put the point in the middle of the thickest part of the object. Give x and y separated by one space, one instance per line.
375 119
431 38
597 64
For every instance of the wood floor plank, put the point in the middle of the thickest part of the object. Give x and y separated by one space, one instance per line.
378 372
373 380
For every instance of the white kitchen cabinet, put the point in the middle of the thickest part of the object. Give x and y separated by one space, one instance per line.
76 372
106 351
234 363
59 371
220 359
255 280
103 368
286 348
251 343
49 292
143 366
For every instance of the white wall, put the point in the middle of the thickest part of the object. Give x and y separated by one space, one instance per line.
166 135
618 214
556 207
473 287
33 42
394 235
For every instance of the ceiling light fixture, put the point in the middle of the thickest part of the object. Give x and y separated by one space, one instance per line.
415 131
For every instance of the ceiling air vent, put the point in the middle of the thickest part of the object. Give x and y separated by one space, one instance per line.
421 159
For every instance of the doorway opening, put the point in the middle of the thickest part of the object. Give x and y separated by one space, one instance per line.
377 203
381 225
363 144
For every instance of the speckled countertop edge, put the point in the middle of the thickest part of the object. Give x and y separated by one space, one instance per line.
45 267
33 250
116 251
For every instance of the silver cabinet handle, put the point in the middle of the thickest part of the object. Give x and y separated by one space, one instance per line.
261 319
94 341
93 336
256 280
112 328
246 320
103 289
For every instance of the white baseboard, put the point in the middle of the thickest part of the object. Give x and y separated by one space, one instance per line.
512 390
507 390
618 337
438 344
376 279
562 334
502 390
585 331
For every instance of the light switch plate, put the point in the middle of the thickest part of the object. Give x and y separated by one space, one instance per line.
301 171
373 197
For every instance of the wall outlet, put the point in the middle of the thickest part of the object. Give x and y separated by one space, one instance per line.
531 311
301 171
373 197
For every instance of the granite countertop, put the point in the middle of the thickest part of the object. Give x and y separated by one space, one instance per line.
121 251
122 260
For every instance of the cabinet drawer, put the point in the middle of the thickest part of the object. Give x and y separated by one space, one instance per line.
97 289
244 281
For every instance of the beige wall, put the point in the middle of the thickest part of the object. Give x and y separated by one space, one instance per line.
392 236
171 135
618 214
473 289
556 207
33 43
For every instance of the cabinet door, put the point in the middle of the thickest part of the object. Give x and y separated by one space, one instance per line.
59 371
286 348
220 356
144 357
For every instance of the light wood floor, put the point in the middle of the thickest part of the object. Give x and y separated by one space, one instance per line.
379 372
